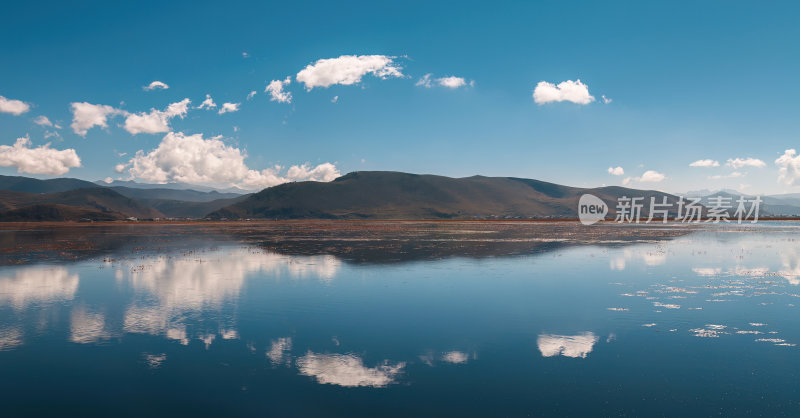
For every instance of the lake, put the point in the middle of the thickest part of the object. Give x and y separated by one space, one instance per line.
400 319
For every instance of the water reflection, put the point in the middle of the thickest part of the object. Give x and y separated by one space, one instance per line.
37 284
575 346
10 337
348 370
790 258
87 327
171 287
244 317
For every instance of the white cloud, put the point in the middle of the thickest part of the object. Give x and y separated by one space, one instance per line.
251 94
86 116
566 345
347 370
229 107
245 54
42 121
275 90
156 121
616 171
566 91
705 163
606 100
208 103
649 176
323 172
347 70
155 85
335 99
425 81
108 180
15 107
738 163
450 82
194 159
39 160
733 175
789 167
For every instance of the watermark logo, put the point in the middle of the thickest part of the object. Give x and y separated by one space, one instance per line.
591 209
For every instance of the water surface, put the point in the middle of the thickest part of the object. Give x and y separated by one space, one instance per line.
704 322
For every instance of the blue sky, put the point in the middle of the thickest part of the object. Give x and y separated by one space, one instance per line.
687 81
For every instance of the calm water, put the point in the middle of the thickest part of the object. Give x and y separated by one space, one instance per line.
704 324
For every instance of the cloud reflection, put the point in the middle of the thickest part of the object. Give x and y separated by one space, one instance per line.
38 285
279 351
567 345
87 327
171 288
10 338
347 370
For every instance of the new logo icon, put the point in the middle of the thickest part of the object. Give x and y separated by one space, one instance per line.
591 209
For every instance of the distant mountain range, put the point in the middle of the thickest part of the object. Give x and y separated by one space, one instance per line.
358 195
393 195
66 199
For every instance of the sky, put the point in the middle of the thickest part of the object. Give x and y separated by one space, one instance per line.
671 95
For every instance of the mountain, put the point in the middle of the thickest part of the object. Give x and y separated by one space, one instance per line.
770 205
31 185
393 195
95 199
171 186
73 199
193 210
57 213
186 195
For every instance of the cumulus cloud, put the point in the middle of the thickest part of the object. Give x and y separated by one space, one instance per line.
452 82
705 163
649 176
251 94
606 100
39 160
566 91
322 172
15 107
229 107
738 163
156 85
347 70
789 167
86 116
208 103
616 171
155 121
194 159
275 90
